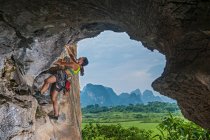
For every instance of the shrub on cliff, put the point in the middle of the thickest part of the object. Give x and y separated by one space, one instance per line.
175 128
114 132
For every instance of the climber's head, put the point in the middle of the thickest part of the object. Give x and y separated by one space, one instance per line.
83 61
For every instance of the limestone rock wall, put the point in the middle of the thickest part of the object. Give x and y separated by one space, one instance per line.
68 126
35 31
17 114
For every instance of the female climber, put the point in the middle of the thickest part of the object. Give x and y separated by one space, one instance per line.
59 79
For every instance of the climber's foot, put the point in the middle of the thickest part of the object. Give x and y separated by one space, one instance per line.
43 101
53 117
38 94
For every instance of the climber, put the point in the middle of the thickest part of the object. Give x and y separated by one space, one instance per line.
59 80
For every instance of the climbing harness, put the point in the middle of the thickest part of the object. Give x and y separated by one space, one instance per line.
67 85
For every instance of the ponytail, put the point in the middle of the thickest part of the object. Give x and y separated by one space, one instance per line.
85 63
82 70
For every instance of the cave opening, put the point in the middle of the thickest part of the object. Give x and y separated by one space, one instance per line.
119 63
36 31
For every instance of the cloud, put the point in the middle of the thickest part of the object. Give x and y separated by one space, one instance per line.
156 70
119 62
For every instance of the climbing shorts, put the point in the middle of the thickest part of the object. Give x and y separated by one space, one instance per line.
67 85
61 78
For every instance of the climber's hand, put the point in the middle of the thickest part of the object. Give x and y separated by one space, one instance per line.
59 62
69 50
66 93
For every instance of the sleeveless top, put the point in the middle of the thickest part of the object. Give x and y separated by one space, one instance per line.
70 72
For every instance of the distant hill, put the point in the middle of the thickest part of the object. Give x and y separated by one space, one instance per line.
126 99
148 96
98 94
105 96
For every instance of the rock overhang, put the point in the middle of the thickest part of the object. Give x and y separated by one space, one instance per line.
36 31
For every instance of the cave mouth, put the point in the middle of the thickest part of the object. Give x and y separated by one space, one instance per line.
145 66
179 30
119 62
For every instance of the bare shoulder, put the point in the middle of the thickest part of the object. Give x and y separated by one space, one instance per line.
74 66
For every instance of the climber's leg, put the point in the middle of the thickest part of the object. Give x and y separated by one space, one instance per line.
54 95
47 82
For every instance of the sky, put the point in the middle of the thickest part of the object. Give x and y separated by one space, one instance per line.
118 62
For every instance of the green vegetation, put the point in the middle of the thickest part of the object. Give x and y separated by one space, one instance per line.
171 128
117 117
154 107
114 132
139 122
174 128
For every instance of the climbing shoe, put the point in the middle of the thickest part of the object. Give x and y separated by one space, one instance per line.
38 94
53 117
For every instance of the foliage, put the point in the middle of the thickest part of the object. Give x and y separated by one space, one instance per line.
176 128
171 128
114 132
155 107
117 117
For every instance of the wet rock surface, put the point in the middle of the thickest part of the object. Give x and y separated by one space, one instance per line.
35 32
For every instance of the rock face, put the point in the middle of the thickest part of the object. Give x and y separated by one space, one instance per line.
17 114
35 31
67 127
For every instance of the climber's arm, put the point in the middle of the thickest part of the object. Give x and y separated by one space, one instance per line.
70 54
63 63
